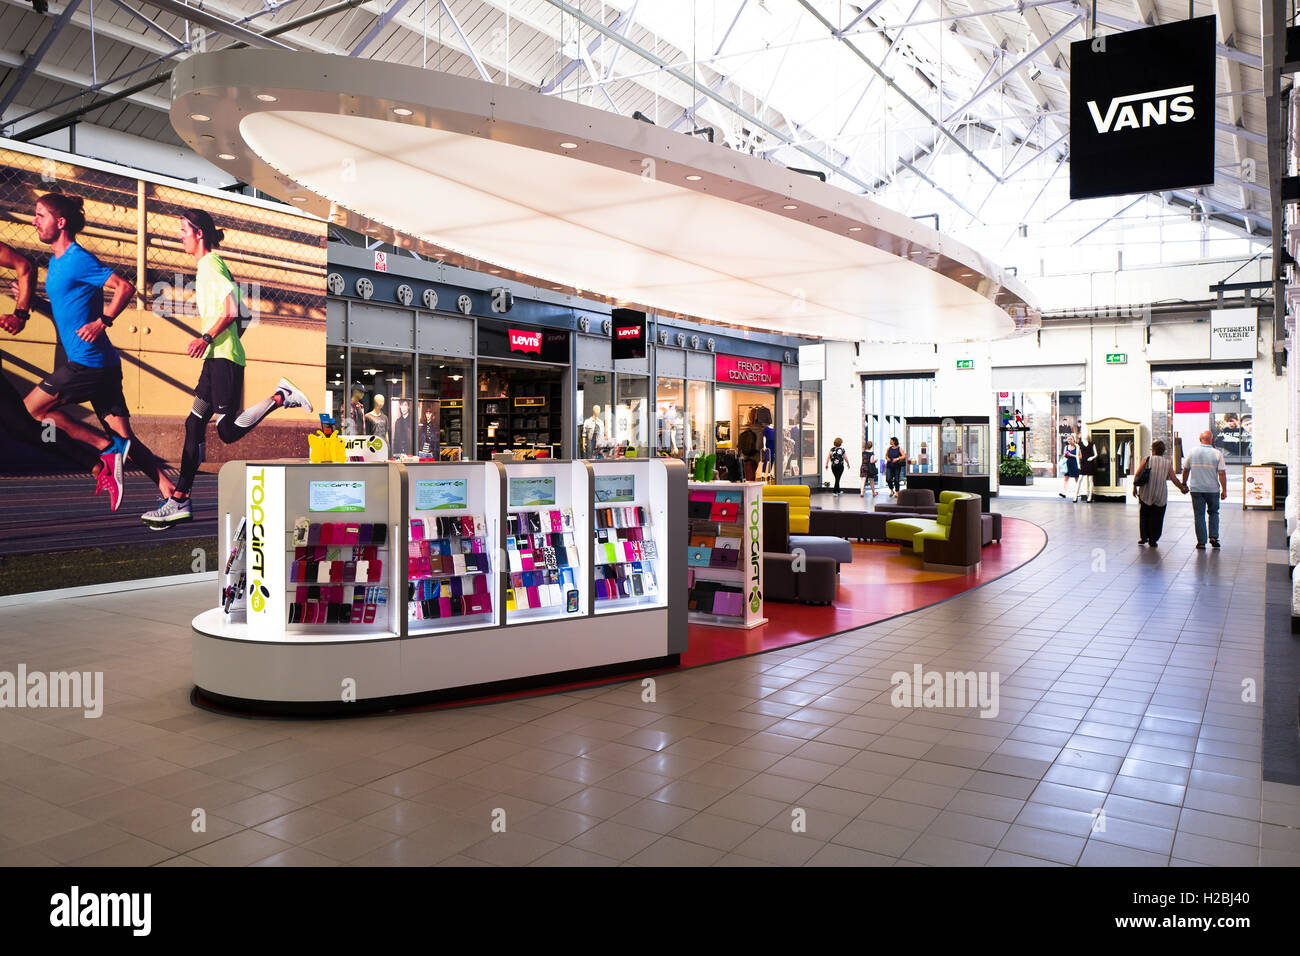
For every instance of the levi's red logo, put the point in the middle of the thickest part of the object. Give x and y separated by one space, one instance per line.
525 341
631 332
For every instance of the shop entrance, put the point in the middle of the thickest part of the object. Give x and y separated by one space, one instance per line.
1188 401
743 430
520 411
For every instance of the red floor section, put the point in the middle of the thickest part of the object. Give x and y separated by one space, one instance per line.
880 583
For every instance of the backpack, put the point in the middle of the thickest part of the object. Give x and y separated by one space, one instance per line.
837 456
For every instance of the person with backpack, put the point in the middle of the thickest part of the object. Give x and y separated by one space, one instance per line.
868 472
836 462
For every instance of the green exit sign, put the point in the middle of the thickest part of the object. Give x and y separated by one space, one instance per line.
598 379
965 363
1116 358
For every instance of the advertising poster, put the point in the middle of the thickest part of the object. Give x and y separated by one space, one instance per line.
613 489
441 494
526 492
1258 488
270 261
336 496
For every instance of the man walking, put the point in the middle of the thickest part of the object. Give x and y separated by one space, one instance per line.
1208 484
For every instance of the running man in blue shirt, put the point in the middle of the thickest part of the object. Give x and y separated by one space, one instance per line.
88 368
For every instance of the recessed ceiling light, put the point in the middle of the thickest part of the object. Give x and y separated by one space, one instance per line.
402 111
694 177
495 272
967 275
267 98
298 198
206 136
372 229
440 255
789 205
200 117
855 228
225 155
568 146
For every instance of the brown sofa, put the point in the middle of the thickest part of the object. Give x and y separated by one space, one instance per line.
911 501
870 525
814 583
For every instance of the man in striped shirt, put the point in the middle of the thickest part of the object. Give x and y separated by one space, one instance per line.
1208 484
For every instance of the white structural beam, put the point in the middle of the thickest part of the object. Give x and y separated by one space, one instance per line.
1227 28
75 79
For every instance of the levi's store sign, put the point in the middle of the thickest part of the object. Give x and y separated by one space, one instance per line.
1142 110
522 340
628 337
734 370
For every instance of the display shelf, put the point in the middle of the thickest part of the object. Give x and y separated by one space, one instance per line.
724 554
547 540
630 519
453 541
1117 446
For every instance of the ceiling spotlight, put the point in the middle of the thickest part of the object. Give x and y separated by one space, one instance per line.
206 136
440 255
298 198
402 111
225 155
200 117
568 146
267 98
789 205
855 228
694 178
495 272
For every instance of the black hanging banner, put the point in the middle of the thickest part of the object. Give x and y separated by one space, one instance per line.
628 334
1142 110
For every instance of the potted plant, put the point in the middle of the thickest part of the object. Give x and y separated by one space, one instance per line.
1014 470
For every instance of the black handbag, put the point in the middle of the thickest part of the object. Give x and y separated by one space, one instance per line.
1144 474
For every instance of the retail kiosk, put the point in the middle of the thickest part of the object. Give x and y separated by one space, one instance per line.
724 555
949 454
373 586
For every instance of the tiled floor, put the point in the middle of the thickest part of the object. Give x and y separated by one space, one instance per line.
1121 691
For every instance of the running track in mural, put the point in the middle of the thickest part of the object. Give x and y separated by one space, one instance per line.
880 583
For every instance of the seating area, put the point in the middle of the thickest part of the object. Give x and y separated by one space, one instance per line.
950 541
862 525
806 579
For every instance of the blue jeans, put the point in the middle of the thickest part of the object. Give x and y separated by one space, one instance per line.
1203 501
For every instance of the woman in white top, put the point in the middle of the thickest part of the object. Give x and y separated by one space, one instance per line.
1154 495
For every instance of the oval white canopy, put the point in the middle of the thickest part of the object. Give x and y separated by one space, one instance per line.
567 197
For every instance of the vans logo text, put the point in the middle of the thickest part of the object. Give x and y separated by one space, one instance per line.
1173 105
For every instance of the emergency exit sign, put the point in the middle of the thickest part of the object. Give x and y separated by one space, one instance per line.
1116 358
965 363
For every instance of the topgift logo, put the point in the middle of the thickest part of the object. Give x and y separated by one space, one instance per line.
525 341
1158 107
258 592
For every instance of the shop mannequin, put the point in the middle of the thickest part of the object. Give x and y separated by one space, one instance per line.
354 422
593 434
1087 466
377 420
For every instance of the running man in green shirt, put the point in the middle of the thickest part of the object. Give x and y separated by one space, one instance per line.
220 390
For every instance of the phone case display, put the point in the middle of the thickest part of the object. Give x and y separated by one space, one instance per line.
233 576
1117 446
724 582
629 519
546 526
329 560
453 539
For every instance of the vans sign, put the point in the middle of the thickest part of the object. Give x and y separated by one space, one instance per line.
1142 110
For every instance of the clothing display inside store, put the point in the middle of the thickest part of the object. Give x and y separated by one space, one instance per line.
1112 450
519 409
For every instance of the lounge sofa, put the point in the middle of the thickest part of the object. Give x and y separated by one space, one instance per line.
800 501
806 579
870 525
948 542
916 501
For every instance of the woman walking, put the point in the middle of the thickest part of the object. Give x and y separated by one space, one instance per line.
836 462
868 472
893 467
1071 467
1154 494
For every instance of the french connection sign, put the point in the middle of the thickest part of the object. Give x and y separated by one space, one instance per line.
1142 110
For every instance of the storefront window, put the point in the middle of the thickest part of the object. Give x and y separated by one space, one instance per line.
440 430
380 399
740 411
790 440
670 418
336 382
699 419
808 418
594 415
630 416
519 411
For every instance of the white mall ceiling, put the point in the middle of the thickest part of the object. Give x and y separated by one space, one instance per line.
563 195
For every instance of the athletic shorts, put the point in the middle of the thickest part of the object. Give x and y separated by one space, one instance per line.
102 387
221 385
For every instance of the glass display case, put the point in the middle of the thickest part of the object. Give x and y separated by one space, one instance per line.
948 453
